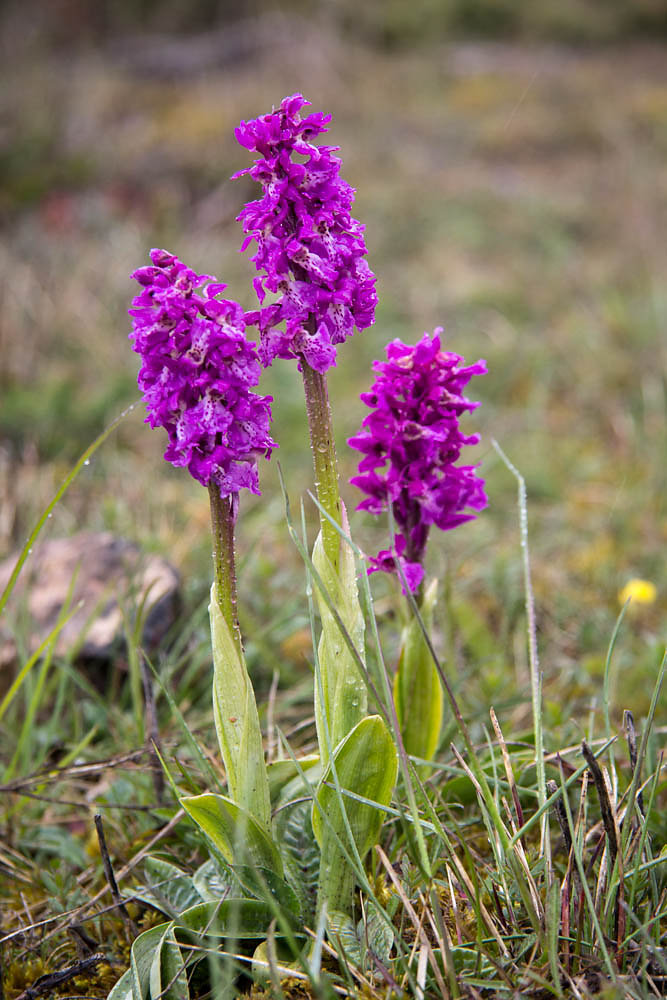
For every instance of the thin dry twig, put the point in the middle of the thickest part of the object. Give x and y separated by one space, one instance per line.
111 878
77 913
49 775
508 767
561 816
52 980
605 803
631 737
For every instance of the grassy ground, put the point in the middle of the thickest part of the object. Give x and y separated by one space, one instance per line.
515 195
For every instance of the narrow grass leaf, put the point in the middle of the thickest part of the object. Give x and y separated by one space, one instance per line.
535 674
210 774
62 489
29 664
634 784
577 852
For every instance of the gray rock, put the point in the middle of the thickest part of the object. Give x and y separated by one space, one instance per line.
105 574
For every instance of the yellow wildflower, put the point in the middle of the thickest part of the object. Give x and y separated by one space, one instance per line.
638 591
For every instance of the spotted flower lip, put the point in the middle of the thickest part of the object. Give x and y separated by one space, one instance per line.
410 443
196 375
309 249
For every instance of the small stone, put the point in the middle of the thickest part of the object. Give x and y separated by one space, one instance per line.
109 573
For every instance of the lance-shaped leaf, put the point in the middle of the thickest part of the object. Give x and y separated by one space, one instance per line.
342 701
214 880
123 988
156 968
417 688
168 978
235 918
237 722
282 772
167 888
366 764
300 853
233 831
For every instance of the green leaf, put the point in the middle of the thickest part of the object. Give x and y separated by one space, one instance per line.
366 764
255 866
459 789
281 772
343 700
469 961
141 960
239 918
168 978
237 722
233 831
259 881
342 931
215 881
272 962
168 888
300 787
417 688
376 934
123 988
300 853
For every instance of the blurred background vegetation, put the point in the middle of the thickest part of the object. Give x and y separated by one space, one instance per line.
509 163
382 23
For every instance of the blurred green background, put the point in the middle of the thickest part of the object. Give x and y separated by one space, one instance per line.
509 160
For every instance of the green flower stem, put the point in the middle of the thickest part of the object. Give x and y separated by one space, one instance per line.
234 706
324 456
222 528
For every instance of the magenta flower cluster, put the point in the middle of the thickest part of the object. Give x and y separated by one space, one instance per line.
310 251
411 441
196 375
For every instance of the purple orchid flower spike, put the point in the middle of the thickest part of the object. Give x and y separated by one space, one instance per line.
196 375
310 251
411 442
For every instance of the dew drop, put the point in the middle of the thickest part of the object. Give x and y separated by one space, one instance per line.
87 462
50 514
